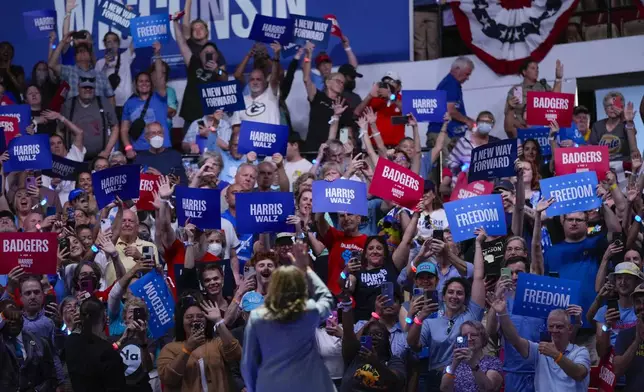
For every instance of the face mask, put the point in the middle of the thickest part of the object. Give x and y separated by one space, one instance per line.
483 128
214 248
156 142
350 85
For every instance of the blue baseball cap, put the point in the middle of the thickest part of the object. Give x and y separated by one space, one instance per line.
251 300
427 267
73 195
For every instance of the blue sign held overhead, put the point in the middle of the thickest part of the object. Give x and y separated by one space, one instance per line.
340 196
28 153
38 24
465 216
493 160
269 29
116 15
159 300
21 112
571 133
147 30
537 296
227 96
64 168
122 181
264 212
202 206
540 134
425 105
263 139
572 192
316 30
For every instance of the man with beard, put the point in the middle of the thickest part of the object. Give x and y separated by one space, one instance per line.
350 75
26 361
629 348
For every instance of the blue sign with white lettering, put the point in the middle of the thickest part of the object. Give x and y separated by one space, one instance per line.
493 160
571 133
159 300
340 196
116 15
316 30
269 29
147 30
538 295
263 139
122 181
38 24
21 112
425 105
64 168
466 215
202 206
572 192
227 96
28 153
264 212
540 134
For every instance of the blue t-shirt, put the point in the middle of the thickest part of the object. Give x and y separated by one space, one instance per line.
454 95
578 261
157 111
245 250
370 226
627 320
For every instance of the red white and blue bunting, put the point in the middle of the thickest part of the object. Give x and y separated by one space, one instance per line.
503 34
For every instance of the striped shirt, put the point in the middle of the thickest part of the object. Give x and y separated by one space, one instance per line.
461 154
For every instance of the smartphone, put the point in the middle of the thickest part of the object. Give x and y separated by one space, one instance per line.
432 295
138 314
87 285
332 320
197 326
201 123
418 292
387 289
51 210
518 93
506 273
439 235
544 336
71 219
249 272
63 243
612 303
553 274
49 299
366 342
30 181
461 342
399 120
147 253
106 225
79 35
209 56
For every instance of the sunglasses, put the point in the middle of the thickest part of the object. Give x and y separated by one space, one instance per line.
84 79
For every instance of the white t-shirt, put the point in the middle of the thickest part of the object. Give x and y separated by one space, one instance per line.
124 89
296 169
264 109
232 242
437 220
65 187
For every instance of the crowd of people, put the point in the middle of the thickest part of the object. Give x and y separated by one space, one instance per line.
383 302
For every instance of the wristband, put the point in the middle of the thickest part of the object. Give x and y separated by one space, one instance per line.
408 320
375 315
417 321
501 314
375 134
307 60
115 346
347 49
185 350
613 187
218 323
128 148
333 119
559 358
450 375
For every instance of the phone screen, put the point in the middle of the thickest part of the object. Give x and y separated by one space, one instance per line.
249 272
399 120
439 235
105 225
138 314
366 342
612 304
461 342
387 289
506 273
147 252
30 181
418 292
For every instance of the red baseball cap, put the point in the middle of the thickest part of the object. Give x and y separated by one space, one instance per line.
322 58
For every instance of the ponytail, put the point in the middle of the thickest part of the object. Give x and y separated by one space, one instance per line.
91 314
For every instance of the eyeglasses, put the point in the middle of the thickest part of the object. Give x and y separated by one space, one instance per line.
576 220
84 79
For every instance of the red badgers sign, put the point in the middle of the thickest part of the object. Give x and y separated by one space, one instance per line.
10 126
545 107
463 190
394 183
569 160
147 186
34 252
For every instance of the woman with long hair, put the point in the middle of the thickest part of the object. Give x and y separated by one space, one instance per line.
280 352
43 77
530 180
532 153
92 361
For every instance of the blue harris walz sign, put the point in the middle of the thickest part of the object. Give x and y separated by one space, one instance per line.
264 212
263 139
223 95
340 196
572 193
537 296
122 181
540 134
28 152
269 29
202 206
38 24
493 160
425 105
465 216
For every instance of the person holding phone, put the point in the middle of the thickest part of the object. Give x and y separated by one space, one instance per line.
212 132
116 66
617 131
472 370
134 348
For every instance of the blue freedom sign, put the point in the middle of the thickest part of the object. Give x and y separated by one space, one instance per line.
425 105
202 206
227 96
28 153
264 212
21 112
116 15
340 196
572 193
263 139
122 181
537 295
466 215
147 30
269 29
64 168
493 160
540 134
38 24
159 300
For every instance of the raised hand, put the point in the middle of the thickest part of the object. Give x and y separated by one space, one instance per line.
481 235
371 116
165 190
543 204
554 128
277 48
559 70
212 311
251 156
339 106
629 112
412 120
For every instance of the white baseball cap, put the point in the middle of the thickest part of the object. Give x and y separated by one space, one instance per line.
392 75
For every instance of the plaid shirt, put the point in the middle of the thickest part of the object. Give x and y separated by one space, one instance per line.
69 73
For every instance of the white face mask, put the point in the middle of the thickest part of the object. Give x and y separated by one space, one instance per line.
483 128
215 248
156 141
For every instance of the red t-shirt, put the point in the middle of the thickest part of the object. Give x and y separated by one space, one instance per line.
391 134
340 247
175 257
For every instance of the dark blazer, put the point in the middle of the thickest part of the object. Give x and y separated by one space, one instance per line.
36 374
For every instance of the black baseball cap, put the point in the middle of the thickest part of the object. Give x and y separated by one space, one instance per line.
503 185
349 70
7 214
